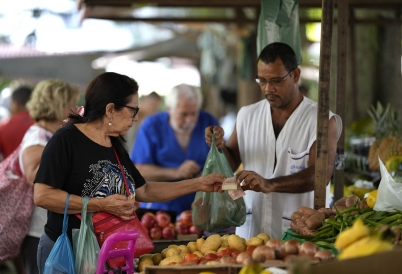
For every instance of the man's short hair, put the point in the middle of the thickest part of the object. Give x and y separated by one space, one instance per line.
21 95
276 50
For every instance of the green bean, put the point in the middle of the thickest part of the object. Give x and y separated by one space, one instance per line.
390 219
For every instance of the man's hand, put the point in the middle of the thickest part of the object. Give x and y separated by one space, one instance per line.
249 180
212 182
188 169
119 205
219 132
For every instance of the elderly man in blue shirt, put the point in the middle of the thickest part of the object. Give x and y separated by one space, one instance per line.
170 145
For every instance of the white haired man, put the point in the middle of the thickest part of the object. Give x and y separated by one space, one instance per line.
170 145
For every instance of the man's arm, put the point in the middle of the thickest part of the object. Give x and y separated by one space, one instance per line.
188 169
299 182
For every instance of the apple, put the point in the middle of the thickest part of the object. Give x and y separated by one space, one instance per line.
194 230
186 218
168 233
181 229
162 219
148 220
155 233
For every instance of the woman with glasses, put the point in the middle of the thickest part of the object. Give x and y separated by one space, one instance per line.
274 139
86 158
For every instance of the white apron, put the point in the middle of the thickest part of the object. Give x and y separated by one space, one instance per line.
270 213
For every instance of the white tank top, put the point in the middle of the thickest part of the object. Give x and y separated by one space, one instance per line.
270 213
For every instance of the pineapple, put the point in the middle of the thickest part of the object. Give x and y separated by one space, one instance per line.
386 129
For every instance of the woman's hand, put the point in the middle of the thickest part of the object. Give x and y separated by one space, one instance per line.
212 182
119 205
250 180
219 132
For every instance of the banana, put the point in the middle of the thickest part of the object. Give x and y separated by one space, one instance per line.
350 235
251 268
363 247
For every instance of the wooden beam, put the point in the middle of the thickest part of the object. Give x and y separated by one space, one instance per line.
353 65
321 163
398 52
341 69
176 19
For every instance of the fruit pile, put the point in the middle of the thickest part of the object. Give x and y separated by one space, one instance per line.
311 224
232 249
161 226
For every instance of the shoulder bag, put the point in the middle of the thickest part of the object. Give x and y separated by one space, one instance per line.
106 224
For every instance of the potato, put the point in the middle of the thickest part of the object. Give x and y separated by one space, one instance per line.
172 246
255 241
184 249
264 236
210 251
172 251
157 258
144 262
213 242
236 242
198 253
225 236
224 242
192 246
173 259
199 242
164 252
183 254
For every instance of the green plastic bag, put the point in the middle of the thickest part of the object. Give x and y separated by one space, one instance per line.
213 211
85 244
279 22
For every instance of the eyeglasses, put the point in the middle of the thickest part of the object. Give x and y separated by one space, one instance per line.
273 81
134 109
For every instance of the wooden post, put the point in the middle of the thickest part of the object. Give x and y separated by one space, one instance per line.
321 163
353 68
398 52
342 49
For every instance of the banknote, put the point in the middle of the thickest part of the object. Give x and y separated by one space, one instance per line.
236 194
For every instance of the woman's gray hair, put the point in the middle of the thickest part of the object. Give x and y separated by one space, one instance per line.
185 92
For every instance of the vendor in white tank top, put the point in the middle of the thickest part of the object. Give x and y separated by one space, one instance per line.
274 139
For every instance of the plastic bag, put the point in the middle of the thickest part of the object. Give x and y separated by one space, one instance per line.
279 22
389 195
213 211
85 244
61 258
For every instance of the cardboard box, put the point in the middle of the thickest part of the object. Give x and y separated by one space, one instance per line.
389 262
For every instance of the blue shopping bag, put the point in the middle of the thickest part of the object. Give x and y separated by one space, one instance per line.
61 258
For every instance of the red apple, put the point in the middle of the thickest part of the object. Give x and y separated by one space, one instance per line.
162 219
186 218
155 233
181 229
148 220
194 230
168 233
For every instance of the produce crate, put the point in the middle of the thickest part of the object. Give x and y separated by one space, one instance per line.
385 262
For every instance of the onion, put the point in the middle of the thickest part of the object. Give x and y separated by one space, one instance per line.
262 253
308 249
324 255
292 247
242 256
278 247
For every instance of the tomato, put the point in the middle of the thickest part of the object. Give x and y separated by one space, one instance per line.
234 254
211 256
222 252
250 248
191 258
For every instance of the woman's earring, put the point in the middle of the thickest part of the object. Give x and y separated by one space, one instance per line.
110 121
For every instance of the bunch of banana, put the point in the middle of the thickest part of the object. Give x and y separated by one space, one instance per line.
359 241
253 268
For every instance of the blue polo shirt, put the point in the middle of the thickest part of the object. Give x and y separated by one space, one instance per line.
156 144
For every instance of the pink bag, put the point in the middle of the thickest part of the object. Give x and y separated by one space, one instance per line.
16 206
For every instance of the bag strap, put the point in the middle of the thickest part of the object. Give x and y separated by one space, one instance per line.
122 174
65 219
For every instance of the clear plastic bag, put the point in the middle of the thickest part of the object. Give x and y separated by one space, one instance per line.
61 258
213 211
85 244
389 196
